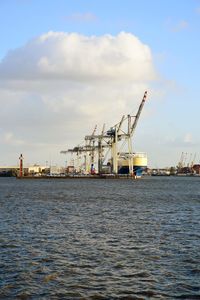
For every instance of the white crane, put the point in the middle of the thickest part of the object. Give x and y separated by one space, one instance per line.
109 139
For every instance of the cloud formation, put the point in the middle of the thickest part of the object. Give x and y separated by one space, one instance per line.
198 10
58 55
186 140
179 26
59 85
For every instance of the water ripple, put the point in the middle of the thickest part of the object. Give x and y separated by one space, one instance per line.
99 239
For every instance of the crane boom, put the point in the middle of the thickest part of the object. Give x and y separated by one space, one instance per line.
138 113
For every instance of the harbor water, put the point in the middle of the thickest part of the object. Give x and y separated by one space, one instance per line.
100 239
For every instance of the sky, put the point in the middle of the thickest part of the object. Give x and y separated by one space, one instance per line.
66 66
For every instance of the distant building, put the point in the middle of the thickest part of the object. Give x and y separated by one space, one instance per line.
70 169
55 170
36 169
8 171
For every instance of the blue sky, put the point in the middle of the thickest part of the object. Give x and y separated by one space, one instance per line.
169 122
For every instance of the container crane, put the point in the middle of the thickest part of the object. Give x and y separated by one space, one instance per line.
126 135
131 130
109 139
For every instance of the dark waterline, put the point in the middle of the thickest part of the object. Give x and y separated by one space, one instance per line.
100 239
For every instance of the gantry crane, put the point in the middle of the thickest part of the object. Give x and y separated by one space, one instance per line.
109 139
118 134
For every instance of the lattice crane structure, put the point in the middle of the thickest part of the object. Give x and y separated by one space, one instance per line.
99 145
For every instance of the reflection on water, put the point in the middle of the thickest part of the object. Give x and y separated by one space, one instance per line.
100 239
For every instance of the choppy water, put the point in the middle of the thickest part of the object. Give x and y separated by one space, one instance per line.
100 239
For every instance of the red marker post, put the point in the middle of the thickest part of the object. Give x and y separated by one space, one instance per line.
21 166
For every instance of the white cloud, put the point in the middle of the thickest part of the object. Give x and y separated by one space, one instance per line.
188 139
198 10
177 26
180 26
185 140
10 139
58 55
54 89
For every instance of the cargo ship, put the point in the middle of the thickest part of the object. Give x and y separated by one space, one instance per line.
136 161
